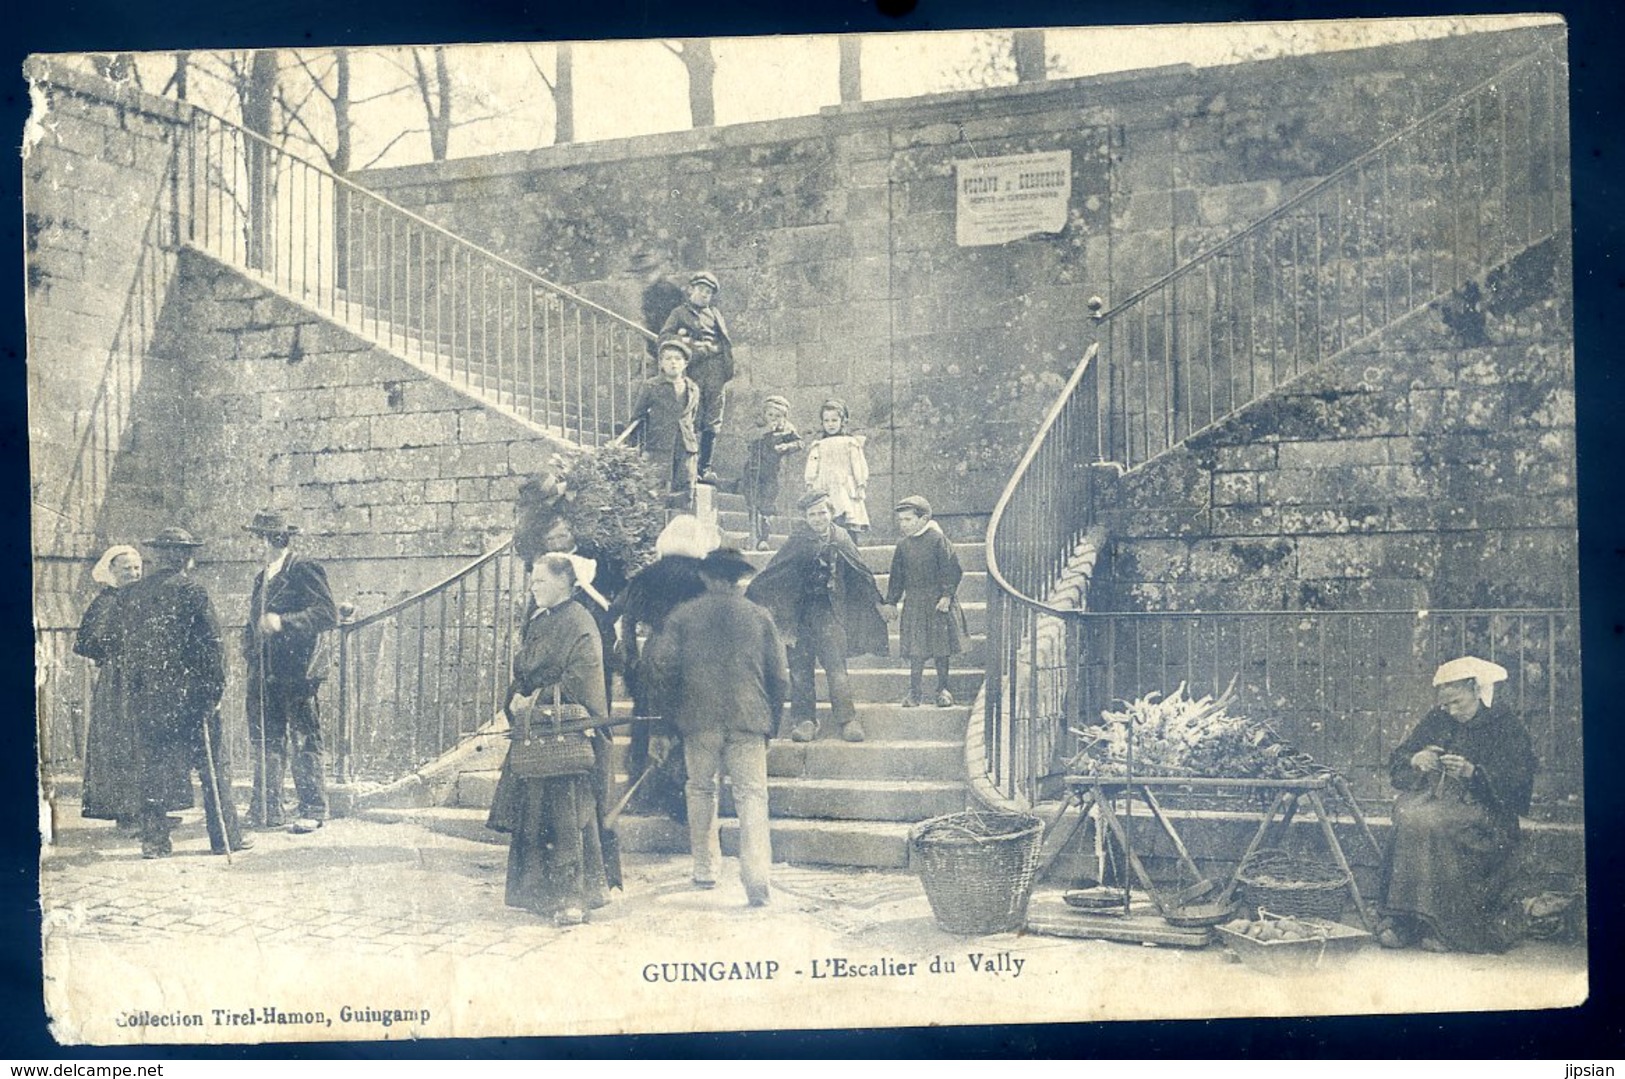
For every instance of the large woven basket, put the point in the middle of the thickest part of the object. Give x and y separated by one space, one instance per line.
1285 883
977 868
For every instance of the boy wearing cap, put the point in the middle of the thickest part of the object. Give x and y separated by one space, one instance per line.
925 574
698 322
827 607
760 485
291 607
665 410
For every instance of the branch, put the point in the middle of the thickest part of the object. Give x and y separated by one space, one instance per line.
390 145
547 82
318 82
402 89
674 50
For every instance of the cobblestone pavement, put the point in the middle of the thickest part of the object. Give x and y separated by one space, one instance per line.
373 912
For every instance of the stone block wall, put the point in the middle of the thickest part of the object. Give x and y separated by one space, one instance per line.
834 235
1434 468
250 400
99 257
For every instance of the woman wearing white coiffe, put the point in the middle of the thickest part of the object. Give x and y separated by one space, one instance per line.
1465 775
111 789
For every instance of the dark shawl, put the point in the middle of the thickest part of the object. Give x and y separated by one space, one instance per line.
1497 745
854 596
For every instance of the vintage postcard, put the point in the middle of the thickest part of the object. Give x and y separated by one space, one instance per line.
726 534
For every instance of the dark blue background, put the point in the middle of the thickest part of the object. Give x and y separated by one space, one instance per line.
1594 1030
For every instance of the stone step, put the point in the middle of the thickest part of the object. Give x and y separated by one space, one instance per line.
890 684
858 799
830 758
972 556
886 720
859 844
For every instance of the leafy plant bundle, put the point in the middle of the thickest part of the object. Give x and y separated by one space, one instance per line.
610 497
1178 735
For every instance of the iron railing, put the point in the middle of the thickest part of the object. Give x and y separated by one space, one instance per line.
1396 228
487 326
1462 190
412 680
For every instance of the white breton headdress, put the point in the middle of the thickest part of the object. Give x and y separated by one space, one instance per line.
1483 673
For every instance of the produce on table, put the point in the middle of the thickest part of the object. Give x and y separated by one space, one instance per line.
1177 735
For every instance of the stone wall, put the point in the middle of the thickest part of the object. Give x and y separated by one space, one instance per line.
834 235
249 400
99 260
1433 468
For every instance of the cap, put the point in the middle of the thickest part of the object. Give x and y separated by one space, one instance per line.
705 277
677 344
775 401
811 499
916 503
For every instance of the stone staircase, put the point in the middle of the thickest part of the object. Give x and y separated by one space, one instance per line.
832 802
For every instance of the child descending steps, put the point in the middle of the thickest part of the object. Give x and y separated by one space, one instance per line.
925 575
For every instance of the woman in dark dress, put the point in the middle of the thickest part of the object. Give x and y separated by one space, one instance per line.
648 600
112 790
555 856
1464 775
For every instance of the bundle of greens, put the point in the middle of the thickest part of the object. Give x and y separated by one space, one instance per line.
1178 735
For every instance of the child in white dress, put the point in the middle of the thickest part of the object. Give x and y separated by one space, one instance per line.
836 466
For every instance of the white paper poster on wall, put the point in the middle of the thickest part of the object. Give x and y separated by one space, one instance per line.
1006 198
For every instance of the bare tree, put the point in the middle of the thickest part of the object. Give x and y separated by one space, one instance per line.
437 99
697 57
851 68
1028 46
562 87
177 81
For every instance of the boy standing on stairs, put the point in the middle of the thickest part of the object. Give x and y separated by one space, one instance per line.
925 575
826 605
698 321
665 410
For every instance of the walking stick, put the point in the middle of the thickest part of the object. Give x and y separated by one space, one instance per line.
214 784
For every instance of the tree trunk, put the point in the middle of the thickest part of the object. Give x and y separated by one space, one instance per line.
436 101
182 66
1028 46
851 68
259 103
343 127
564 100
702 70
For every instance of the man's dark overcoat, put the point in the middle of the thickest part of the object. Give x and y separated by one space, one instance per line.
300 596
175 672
854 595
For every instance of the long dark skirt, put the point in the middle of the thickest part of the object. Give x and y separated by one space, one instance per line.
112 780
1447 868
555 858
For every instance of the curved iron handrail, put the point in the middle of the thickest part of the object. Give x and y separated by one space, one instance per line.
424 594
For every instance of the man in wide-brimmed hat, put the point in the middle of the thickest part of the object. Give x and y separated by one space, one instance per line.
175 671
720 665
290 609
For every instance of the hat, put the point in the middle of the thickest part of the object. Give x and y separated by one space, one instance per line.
811 499
705 277
103 573
270 523
676 343
644 261
727 563
174 536
775 401
915 503
687 535
1481 672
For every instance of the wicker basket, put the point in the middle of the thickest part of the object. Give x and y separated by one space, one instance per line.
977 868
1284 883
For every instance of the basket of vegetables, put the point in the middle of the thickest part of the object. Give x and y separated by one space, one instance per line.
1290 884
977 868
1280 944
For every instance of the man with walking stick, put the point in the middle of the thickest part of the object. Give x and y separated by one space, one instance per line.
176 676
290 609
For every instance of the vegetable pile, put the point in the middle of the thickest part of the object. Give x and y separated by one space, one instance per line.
1177 735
